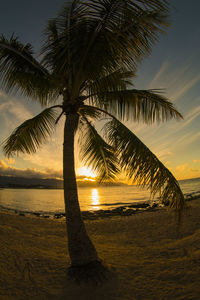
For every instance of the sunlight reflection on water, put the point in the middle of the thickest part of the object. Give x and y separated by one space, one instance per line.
95 198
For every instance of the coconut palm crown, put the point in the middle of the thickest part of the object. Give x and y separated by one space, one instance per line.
85 73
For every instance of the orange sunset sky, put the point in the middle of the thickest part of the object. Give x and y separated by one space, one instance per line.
173 65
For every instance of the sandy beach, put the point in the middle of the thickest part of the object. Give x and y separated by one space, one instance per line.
150 257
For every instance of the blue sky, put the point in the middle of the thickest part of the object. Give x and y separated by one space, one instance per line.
174 65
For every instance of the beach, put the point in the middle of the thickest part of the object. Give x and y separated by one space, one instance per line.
149 255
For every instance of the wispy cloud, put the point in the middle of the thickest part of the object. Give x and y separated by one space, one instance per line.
183 138
164 153
158 76
193 138
47 156
193 114
176 81
15 108
188 139
12 114
174 128
185 87
28 172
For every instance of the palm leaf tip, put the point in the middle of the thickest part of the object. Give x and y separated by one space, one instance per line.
21 72
149 106
28 137
172 196
142 166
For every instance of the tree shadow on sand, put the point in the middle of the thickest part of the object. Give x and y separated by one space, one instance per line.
98 290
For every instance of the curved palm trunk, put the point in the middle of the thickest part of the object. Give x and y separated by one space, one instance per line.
81 249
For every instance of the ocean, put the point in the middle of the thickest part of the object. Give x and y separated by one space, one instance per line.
51 201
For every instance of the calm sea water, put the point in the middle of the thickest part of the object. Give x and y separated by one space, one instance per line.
51 201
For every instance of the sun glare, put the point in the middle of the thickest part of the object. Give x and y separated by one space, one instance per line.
86 172
95 197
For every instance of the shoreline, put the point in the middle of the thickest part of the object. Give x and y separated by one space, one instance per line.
115 206
121 210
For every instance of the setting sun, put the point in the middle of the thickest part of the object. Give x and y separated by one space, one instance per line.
86 172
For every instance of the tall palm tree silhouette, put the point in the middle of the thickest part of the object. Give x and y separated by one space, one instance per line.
86 69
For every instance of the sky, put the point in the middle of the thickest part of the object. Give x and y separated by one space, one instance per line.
174 65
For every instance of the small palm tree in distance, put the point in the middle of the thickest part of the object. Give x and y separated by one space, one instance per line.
84 73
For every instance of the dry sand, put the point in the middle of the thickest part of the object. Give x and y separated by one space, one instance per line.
150 258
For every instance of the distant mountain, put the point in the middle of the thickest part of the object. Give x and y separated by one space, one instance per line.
20 182
23 182
189 179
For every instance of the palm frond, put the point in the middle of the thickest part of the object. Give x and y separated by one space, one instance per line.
89 112
109 81
96 153
148 106
20 71
88 37
65 40
128 27
142 166
28 137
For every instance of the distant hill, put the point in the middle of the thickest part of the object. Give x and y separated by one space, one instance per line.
23 182
20 182
189 179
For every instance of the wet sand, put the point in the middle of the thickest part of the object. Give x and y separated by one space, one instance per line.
150 256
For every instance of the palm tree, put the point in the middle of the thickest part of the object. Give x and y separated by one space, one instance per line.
85 69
